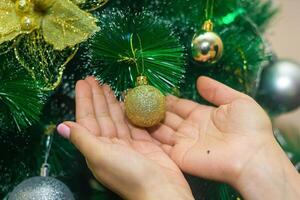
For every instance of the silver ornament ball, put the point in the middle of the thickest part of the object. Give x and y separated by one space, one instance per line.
279 88
41 188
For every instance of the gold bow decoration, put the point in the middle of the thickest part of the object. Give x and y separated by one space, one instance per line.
62 23
43 63
90 5
44 34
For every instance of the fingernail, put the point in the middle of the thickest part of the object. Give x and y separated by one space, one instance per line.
64 130
106 89
92 78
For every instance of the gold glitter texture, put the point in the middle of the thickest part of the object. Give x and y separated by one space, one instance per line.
145 106
41 61
62 22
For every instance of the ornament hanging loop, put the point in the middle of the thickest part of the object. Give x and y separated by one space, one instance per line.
135 58
49 131
209 12
209 9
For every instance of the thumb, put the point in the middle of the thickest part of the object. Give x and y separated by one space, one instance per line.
80 137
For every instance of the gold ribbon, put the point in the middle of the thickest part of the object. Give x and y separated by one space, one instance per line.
62 23
43 63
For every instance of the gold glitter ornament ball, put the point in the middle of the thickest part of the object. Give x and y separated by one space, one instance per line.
145 106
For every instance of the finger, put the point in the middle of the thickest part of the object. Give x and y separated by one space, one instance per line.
116 113
103 117
163 134
180 107
122 105
166 148
84 107
216 92
172 120
82 138
139 133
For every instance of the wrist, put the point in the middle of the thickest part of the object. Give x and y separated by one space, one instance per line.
268 175
161 187
166 192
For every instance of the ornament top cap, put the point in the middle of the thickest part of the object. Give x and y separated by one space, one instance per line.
45 169
141 80
208 26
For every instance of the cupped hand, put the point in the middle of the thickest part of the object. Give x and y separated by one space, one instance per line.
123 157
218 142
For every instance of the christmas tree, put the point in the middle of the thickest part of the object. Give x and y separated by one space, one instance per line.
47 45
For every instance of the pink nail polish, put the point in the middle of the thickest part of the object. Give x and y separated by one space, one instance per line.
64 130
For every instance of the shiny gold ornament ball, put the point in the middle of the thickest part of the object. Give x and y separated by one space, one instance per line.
207 47
145 106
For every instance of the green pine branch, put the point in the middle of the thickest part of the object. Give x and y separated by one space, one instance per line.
21 98
132 44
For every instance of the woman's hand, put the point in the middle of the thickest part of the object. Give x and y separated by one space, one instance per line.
232 142
124 158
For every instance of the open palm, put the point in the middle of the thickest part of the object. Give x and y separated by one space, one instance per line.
121 156
214 142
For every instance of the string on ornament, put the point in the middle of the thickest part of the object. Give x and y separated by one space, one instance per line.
145 105
207 46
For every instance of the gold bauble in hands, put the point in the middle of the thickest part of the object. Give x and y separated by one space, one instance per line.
145 105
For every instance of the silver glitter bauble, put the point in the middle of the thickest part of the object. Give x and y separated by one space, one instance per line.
41 188
279 88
